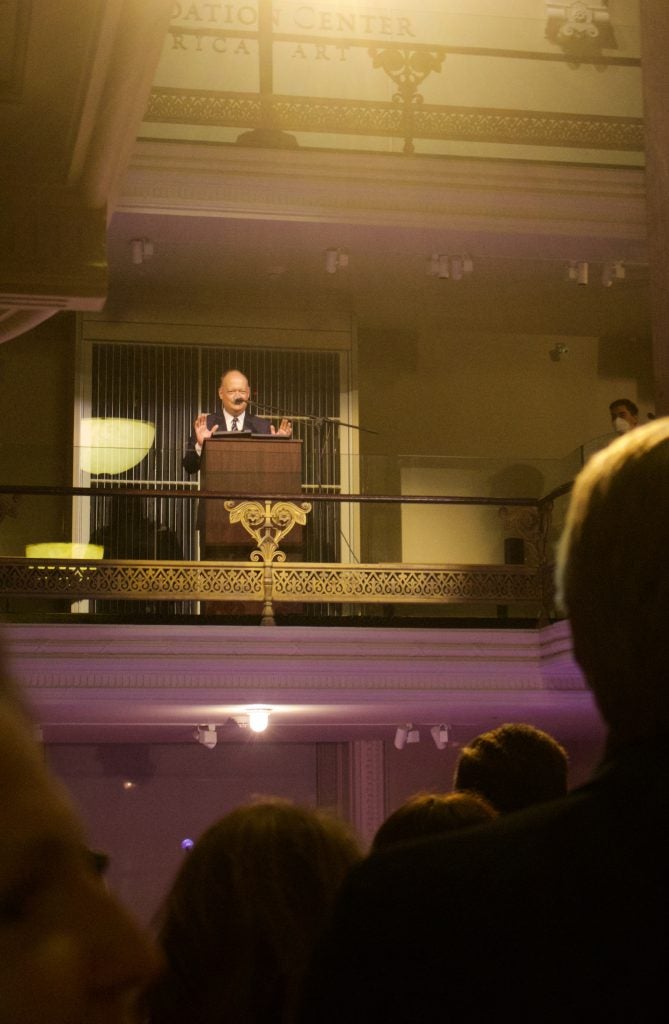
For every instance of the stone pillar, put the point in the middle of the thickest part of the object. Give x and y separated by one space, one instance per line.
654 24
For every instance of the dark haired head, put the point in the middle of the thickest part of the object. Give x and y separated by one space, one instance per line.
513 766
245 910
428 814
626 403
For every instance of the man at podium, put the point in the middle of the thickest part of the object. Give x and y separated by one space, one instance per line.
234 393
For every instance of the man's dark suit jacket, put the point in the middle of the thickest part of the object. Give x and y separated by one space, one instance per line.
191 460
557 913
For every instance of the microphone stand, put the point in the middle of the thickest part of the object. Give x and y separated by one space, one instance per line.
317 422
319 425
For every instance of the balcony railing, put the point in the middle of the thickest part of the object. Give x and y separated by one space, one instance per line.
521 585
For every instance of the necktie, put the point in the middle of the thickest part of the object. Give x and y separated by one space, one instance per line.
234 423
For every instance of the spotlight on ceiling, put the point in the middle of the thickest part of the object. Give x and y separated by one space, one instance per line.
206 735
611 272
335 259
442 265
406 734
258 718
141 249
401 734
440 735
457 268
578 271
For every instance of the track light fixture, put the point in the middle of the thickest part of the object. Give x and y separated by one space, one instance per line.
335 259
440 735
141 249
612 272
443 266
206 735
579 271
406 734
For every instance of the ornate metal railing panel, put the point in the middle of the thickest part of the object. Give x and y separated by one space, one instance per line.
130 581
267 576
374 584
288 581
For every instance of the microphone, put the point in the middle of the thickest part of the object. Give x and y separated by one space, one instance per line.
239 400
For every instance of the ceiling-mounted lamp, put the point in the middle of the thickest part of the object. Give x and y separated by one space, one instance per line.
578 271
406 734
206 735
457 269
614 271
141 249
440 735
335 259
401 733
440 264
258 718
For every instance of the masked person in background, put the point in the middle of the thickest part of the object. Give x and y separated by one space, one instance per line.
624 415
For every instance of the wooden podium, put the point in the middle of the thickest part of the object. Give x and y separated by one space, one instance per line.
245 464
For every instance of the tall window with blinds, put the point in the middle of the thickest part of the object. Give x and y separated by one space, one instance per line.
165 386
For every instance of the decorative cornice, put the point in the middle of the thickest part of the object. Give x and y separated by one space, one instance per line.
495 199
297 660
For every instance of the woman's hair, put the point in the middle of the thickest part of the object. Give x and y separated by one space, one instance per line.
428 814
242 917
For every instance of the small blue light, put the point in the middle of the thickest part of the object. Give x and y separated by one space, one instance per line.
187 844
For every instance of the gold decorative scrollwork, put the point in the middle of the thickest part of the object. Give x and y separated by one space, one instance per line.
581 27
407 69
268 524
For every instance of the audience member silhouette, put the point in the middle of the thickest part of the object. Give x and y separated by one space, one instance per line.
429 814
69 954
244 913
557 912
513 766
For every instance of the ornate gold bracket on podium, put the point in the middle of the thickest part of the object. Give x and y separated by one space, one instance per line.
268 523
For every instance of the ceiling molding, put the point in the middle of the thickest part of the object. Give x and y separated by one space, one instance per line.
490 199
